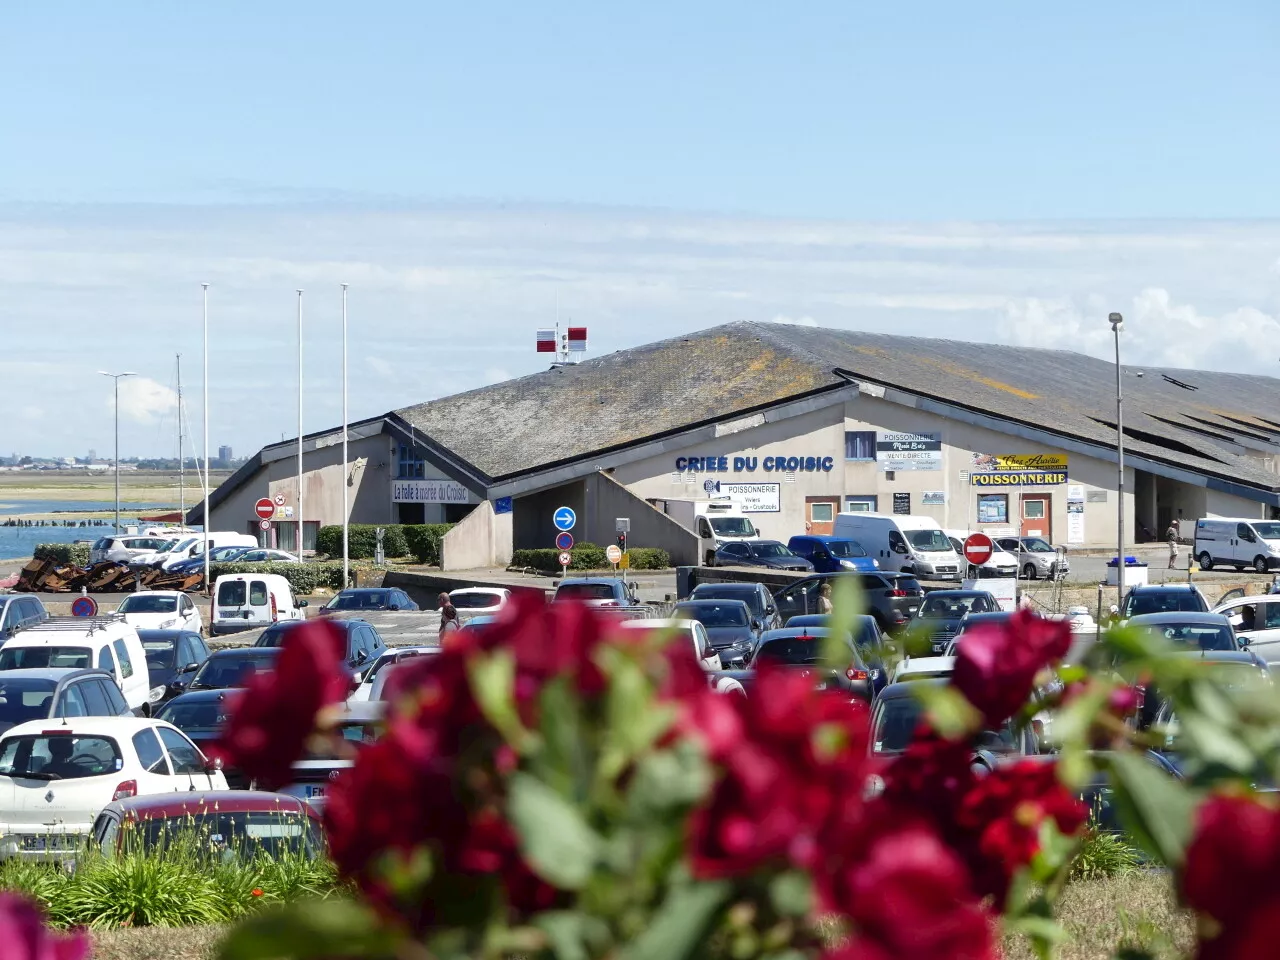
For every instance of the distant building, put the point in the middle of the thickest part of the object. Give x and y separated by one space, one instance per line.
224 454
93 455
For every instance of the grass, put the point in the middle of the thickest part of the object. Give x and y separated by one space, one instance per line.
180 943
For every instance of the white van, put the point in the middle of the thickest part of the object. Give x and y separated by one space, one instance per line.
1239 543
106 642
715 522
905 543
245 601
195 548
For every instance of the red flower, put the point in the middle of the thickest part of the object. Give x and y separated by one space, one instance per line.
909 898
275 715
255 892
996 665
1230 875
25 936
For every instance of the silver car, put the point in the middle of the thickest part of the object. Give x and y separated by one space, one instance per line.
123 549
1036 557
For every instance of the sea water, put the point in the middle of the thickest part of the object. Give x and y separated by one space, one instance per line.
18 542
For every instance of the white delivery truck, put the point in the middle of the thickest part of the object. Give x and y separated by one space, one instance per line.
716 522
903 542
1238 542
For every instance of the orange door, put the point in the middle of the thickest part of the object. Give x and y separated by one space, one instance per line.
1037 516
820 512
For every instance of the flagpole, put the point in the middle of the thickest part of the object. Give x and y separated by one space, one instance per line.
208 587
300 528
346 476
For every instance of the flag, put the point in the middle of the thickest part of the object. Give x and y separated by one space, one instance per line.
546 341
577 339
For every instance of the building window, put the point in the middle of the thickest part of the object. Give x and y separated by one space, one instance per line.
410 467
993 508
864 504
822 512
860 445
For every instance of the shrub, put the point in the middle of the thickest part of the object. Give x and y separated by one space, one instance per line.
588 556
649 558
303 578
362 540
1103 855
424 540
64 553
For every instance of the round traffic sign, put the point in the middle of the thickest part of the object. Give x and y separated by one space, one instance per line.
265 508
978 548
564 541
84 607
279 499
564 518
612 553
565 559
264 524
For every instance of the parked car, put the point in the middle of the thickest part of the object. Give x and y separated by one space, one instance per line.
55 782
368 598
1198 631
364 645
760 553
267 556
17 612
833 554
217 555
1255 619
108 643
231 668
596 592
370 687
800 648
695 635
172 657
942 611
360 724
892 598
755 595
1036 557
923 668
1163 598
479 601
245 601
119 549
161 610
729 625
44 693
866 635
1001 563
218 538
244 824
1235 671
201 715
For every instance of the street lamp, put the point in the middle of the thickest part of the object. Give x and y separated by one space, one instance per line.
1117 324
116 382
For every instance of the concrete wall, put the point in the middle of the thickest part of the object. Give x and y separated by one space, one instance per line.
607 500
482 539
532 528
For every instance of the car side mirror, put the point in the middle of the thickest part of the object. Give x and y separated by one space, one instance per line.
1244 641
213 766
303 603
756 625
189 667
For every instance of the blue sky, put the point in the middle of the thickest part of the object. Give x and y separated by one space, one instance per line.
1001 172
918 111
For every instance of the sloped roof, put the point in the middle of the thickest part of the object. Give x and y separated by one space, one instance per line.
565 413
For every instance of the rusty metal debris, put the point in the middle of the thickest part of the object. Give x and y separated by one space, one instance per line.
49 576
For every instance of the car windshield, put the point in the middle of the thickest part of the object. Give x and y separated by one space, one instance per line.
974 621
1197 636
23 699
929 541
230 835
196 716
364 600
145 603
1267 531
218 673
231 593
732 613
1162 601
159 653
20 658
795 651
897 718
732 526
1036 545
585 591
227 553
953 607
750 597
59 756
166 546
845 549
770 550
475 601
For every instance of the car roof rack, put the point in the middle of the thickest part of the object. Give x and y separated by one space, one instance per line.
63 624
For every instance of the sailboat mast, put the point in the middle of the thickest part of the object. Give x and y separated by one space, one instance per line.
182 466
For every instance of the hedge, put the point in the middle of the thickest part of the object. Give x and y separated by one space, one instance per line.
421 541
64 553
304 578
424 540
588 556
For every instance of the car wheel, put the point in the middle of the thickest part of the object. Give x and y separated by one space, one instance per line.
1206 561
709 560
1029 571
1260 564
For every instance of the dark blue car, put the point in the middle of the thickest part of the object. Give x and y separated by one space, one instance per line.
833 554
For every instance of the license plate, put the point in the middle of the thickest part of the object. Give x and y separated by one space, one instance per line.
313 792
912 609
33 843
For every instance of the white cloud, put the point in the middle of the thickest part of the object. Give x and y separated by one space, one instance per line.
144 400
805 321
381 367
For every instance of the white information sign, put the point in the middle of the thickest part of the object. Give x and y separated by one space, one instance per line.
429 491
1004 589
754 497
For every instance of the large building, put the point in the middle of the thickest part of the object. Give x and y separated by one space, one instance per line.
796 424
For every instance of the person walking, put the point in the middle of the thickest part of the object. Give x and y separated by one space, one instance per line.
1171 535
824 600
448 615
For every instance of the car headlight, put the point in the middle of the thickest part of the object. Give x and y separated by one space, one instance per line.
876 564
167 624
848 564
156 694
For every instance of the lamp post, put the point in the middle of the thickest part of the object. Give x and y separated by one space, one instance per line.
115 377
1117 324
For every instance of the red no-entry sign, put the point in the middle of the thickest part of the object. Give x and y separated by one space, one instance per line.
265 508
978 549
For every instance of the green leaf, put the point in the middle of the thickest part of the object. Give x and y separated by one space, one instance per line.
573 935
563 762
951 715
556 841
633 717
668 780
329 928
1156 809
681 925
493 679
1211 742
792 893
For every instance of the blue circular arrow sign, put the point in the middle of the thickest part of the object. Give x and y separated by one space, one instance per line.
564 518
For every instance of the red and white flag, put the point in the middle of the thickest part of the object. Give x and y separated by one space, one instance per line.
546 341
577 339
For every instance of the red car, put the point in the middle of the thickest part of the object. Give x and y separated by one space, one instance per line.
224 823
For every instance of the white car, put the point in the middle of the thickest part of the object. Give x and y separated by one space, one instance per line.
56 776
1001 563
695 634
1261 631
123 549
161 610
923 668
479 601
375 678
358 725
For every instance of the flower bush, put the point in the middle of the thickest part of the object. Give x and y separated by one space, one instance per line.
552 786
